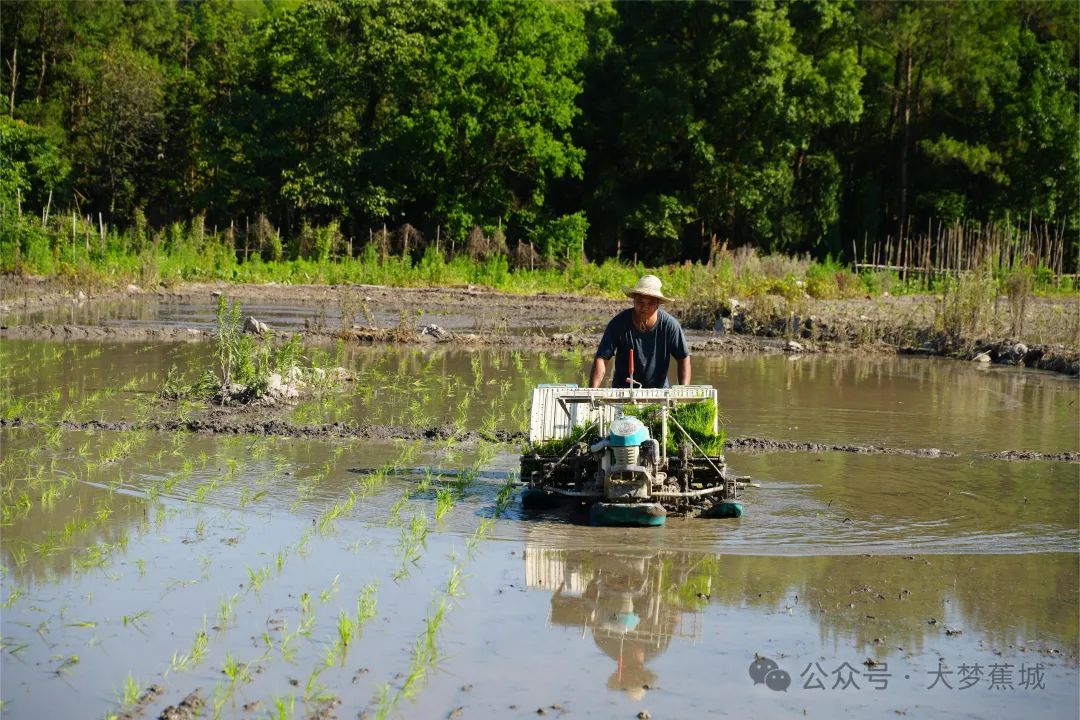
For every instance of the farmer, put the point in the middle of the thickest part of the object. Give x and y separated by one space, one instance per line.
644 336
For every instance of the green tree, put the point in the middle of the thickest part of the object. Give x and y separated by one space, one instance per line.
490 130
719 116
121 131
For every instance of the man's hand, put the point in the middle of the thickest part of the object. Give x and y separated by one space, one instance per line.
682 368
599 370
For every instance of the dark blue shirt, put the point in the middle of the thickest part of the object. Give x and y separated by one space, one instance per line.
653 349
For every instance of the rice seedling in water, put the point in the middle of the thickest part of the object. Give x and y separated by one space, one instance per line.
234 670
258 577
194 656
226 612
14 595
129 695
329 592
284 707
444 501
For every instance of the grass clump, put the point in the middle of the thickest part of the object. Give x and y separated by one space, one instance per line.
245 366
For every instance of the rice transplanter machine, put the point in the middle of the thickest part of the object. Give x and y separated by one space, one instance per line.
593 447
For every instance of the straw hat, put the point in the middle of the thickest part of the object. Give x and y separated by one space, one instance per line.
647 285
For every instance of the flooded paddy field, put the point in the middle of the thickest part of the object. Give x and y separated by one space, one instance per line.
911 570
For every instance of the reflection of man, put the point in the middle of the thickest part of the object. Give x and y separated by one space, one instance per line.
652 336
615 638
620 599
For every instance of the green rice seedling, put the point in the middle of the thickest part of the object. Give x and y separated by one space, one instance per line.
329 592
234 670
12 597
66 663
129 694
226 612
284 707
313 689
505 495
365 607
288 643
453 583
49 496
345 627
258 577
305 603
135 619
394 512
197 652
444 501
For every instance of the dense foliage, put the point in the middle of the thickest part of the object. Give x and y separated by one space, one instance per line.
659 130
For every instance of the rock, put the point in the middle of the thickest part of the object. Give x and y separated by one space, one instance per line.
722 325
434 331
981 358
340 374
278 388
251 325
133 289
644 715
793 346
215 294
1016 353
81 296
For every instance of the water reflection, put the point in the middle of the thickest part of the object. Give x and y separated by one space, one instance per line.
631 604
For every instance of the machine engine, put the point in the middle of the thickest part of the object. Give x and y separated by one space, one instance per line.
628 460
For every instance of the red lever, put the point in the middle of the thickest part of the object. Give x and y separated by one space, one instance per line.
631 364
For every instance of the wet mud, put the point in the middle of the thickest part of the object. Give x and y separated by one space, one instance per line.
475 316
225 423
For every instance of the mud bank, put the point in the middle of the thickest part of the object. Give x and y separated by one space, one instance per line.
226 423
548 321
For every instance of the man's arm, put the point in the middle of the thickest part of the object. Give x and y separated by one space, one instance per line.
682 368
599 370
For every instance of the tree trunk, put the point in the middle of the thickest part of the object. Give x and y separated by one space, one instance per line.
905 142
13 67
41 79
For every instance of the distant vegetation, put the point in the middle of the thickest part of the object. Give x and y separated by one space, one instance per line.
261 140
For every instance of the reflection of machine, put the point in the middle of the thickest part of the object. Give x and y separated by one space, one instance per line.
633 605
616 466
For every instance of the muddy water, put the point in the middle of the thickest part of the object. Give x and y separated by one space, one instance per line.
880 584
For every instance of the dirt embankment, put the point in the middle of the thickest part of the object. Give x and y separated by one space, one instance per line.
249 422
880 325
